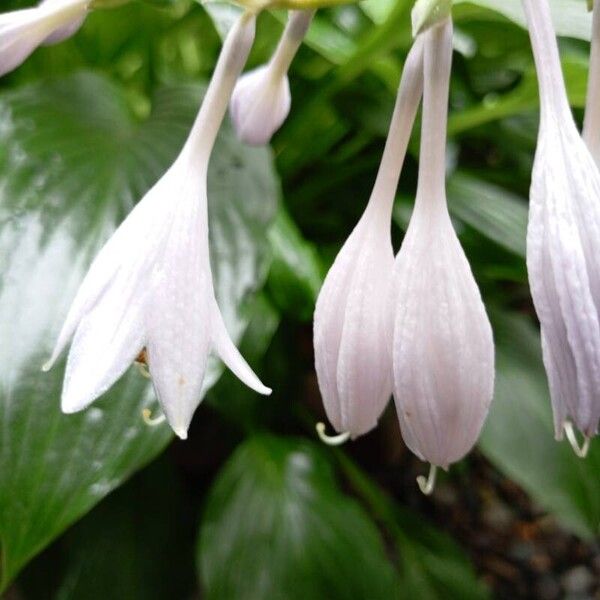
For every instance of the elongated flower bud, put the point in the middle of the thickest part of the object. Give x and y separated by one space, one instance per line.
563 242
22 31
353 316
591 123
261 100
443 353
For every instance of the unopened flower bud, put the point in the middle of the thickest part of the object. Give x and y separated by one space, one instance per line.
353 315
443 352
261 100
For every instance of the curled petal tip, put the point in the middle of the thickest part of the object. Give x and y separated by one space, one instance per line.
48 365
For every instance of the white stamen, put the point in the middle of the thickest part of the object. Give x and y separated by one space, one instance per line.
427 484
580 451
332 440
150 420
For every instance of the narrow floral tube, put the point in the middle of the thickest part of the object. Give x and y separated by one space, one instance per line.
353 318
443 352
22 31
563 242
261 100
591 122
151 287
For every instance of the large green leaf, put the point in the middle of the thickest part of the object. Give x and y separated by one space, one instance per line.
126 548
519 435
494 212
296 272
277 526
72 163
571 17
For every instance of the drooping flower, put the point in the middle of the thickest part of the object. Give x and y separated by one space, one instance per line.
261 99
352 321
151 287
563 243
443 352
22 31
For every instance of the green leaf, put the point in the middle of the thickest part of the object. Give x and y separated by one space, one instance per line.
296 272
126 548
432 565
491 210
73 162
523 98
571 17
519 435
277 526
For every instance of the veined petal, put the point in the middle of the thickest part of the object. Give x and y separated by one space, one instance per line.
351 330
564 272
364 372
443 347
129 253
106 342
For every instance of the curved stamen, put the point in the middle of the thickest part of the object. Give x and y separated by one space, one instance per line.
332 440
426 485
150 420
580 451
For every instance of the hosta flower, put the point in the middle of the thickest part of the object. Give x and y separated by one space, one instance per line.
563 243
151 286
22 31
353 316
261 100
443 353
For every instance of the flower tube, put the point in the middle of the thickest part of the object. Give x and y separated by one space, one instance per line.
443 352
563 243
353 317
22 31
151 287
261 100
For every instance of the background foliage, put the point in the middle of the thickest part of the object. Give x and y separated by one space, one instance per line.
252 506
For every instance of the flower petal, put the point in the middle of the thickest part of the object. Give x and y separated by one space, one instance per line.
230 355
443 346
106 342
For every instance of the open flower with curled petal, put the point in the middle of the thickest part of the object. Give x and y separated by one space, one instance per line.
353 316
563 244
22 31
443 352
151 285
261 99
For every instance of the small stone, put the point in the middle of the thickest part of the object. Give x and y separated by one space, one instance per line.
577 580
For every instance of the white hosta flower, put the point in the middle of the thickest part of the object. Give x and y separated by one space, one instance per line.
22 31
151 285
353 317
261 100
443 352
563 243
